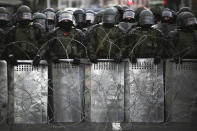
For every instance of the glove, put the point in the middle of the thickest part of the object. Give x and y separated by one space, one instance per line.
36 61
93 60
55 59
76 61
157 60
12 60
118 59
133 60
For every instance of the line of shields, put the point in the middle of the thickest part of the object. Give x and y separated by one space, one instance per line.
102 92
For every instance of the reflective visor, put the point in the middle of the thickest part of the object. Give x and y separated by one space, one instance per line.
167 14
129 14
65 16
191 21
50 15
147 20
109 19
3 16
26 16
90 17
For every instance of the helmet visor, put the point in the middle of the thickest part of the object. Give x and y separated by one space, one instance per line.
50 15
80 18
64 17
191 21
3 16
25 16
147 20
111 19
129 15
167 14
90 17
40 21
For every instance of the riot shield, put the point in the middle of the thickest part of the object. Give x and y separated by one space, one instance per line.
106 92
181 91
3 92
144 91
68 86
30 93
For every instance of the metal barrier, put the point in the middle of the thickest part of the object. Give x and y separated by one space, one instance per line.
144 92
68 87
3 92
106 90
181 90
30 93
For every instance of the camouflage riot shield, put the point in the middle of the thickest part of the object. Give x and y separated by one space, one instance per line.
30 93
68 84
106 92
181 91
144 91
3 92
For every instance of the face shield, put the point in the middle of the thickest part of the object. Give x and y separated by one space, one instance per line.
50 15
3 17
41 22
109 19
25 16
129 16
80 18
90 18
65 17
190 21
147 20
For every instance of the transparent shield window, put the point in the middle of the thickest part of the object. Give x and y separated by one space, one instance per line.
3 16
109 19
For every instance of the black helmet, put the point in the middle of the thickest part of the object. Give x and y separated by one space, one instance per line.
24 13
50 14
167 15
90 17
110 16
185 9
129 15
186 19
146 18
80 16
3 14
39 18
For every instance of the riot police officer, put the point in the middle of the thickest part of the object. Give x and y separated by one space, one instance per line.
39 24
22 41
106 38
128 21
90 18
50 19
80 17
66 42
166 24
147 41
185 37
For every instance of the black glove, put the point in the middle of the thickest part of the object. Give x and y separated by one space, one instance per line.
76 61
36 61
157 60
93 60
133 60
118 59
12 60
